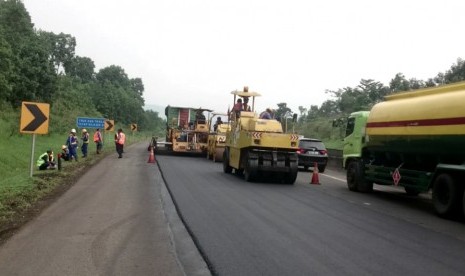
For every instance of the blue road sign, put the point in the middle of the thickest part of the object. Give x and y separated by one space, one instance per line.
83 122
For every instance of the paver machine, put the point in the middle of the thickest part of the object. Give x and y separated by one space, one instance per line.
258 148
186 131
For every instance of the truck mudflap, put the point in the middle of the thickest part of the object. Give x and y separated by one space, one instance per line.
267 163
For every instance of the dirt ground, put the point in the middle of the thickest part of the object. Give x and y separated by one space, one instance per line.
66 181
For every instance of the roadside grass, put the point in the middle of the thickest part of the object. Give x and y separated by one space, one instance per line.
18 191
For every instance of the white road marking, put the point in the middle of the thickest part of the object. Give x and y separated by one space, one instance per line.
335 178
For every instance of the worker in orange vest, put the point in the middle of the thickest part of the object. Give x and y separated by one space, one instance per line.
98 140
119 141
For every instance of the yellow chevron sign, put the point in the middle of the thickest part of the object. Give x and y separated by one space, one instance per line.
34 118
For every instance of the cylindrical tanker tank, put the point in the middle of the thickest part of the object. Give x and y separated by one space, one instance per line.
424 121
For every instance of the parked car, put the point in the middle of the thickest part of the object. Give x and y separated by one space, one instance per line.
311 151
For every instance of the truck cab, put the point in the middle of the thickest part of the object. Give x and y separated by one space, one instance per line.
355 136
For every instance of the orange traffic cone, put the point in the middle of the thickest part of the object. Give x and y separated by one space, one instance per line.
152 156
315 178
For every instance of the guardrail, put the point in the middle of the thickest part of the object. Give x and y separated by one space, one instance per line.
335 158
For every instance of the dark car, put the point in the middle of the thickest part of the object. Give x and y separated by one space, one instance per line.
312 151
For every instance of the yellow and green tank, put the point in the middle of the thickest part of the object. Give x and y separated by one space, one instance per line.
258 148
415 140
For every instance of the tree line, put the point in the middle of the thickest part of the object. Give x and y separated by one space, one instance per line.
41 66
316 121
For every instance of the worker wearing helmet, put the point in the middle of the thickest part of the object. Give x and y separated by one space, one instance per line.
72 143
64 153
85 142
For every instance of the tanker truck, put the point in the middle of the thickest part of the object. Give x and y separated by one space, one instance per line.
415 140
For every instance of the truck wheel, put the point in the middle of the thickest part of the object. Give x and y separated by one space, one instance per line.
356 178
446 195
352 176
226 167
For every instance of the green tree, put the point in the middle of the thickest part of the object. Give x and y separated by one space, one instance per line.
34 77
16 22
416 84
6 67
30 75
328 108
440 79
372 91
81 68
313 112
282 111
118 97
302 114
430 83
456 72
399 83
61 48
115 75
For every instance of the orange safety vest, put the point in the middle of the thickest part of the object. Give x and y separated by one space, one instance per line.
97 136
122 138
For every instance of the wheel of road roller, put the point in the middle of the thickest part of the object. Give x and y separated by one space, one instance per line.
291 176
218 155
251 167
226 167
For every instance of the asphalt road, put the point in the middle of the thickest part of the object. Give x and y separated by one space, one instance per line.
118 219
246 228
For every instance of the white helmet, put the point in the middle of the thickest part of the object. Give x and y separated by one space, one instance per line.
73 131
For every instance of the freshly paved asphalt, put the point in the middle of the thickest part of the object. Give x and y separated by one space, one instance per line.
273 229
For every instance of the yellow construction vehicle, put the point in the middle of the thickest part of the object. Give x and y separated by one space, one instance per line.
217 137
186 131
258 148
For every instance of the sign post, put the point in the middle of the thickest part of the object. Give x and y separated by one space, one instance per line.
34 120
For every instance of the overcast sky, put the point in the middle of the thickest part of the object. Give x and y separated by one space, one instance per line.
194 53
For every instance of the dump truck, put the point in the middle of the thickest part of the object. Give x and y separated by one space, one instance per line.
186 131
217 136
415 140
258 148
